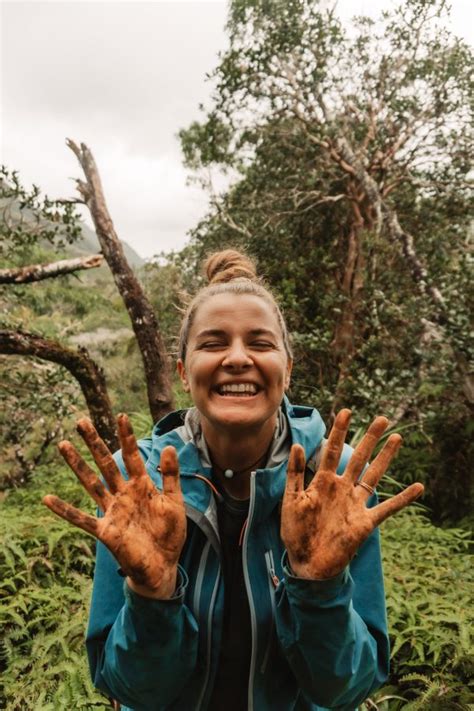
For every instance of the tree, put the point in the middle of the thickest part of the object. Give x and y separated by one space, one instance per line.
33 227
142 316
87 373
349 153
37 397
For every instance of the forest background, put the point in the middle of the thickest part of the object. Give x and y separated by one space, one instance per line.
348 153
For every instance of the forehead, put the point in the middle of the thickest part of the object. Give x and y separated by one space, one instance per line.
235 311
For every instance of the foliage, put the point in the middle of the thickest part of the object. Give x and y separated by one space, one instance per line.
328 132
45 570
46 565
29 220
39 398
164 285
42 398
429 586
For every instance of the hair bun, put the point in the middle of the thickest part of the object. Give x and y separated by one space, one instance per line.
227 265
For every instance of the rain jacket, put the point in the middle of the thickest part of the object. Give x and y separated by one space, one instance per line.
316 644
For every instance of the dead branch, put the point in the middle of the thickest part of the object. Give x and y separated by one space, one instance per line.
142 316
37 272
81 366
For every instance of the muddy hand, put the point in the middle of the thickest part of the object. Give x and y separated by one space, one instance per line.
143 528
323 526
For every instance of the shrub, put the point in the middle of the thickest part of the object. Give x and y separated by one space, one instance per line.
429 587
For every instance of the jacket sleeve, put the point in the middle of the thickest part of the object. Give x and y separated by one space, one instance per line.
334 632
141 651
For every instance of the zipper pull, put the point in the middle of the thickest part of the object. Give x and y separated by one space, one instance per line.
274 578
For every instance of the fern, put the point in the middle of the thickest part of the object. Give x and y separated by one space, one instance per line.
46 568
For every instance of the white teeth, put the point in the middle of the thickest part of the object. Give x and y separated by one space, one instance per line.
238 388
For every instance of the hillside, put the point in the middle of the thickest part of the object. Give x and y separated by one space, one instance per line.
13 214
89 244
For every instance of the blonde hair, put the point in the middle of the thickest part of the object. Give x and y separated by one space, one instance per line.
230 272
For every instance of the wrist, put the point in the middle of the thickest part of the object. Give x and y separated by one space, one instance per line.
314 572
163 591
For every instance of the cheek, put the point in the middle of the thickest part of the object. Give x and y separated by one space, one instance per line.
199 371
279 374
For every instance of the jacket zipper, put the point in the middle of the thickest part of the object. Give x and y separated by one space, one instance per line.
253 615
197 601
209 641
200 578
272 584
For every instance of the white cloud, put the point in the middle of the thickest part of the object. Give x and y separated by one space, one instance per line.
123 77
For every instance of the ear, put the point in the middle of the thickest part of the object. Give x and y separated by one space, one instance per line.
289 368
182 374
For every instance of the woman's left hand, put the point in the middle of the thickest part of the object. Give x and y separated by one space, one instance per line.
323 526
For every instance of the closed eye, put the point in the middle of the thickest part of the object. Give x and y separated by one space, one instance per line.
212 344
262 344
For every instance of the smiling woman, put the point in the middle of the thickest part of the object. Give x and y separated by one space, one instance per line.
236 527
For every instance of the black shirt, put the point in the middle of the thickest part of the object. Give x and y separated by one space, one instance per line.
231 683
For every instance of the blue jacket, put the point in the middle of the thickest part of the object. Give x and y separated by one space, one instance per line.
315 644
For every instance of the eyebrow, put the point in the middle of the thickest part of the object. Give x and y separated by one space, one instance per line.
220 332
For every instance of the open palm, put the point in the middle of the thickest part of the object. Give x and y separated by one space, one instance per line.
323 525
143 528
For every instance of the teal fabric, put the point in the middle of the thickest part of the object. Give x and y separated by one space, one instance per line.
316 644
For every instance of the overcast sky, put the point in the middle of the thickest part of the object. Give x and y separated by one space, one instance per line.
122 77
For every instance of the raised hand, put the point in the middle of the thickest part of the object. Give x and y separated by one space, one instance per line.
143 528
323 526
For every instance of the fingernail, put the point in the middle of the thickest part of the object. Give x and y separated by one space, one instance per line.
83 425
297 458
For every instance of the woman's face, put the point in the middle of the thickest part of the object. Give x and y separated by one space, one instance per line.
236 366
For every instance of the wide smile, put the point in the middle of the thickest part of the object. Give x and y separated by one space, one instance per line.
240 391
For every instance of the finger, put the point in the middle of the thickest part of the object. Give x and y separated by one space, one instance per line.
131 456
332 450
101 453
364 449
169 467
295 472
69 513
382 511
86 475
382 461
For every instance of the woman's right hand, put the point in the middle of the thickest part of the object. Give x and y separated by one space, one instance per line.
143 528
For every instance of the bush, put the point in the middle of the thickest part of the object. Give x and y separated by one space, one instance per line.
46 567
45 572
429 587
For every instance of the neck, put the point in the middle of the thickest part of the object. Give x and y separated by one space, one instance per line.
242 452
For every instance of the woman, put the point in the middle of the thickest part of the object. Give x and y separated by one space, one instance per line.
250 580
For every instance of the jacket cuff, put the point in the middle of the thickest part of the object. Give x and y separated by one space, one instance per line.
136 601
317 590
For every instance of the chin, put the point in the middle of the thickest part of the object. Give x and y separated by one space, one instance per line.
238 417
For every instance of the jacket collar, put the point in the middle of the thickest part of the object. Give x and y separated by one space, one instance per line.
306 428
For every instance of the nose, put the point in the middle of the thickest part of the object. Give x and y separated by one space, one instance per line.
237 356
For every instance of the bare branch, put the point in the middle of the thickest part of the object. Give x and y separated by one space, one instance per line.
37 272
142 316
79 363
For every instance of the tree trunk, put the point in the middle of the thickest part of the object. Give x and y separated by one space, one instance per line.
88 374
142 316
417 269
37 272
343 345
